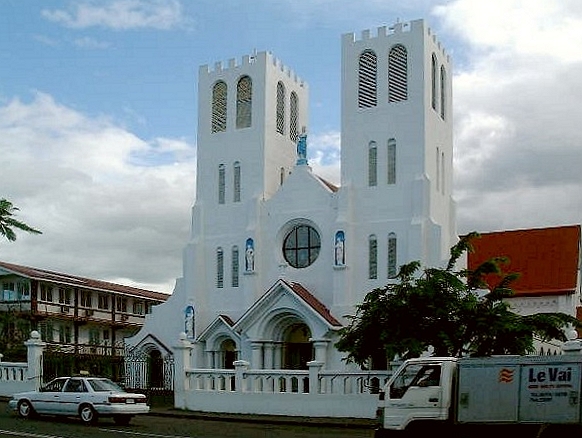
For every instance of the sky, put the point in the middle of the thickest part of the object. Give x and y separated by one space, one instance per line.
98 114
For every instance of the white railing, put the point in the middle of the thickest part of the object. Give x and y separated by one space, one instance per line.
315 392
13 371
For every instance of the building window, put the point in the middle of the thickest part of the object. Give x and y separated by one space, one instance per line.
280 111
103 301
235 266
46 331
121 304
372 257
433 82
46 292
391 158
219 107
221 183
64 295
219 268
372 164
392 255
64 334
86 299
398 74
301 246
294 117
236 175
138 307
443 91
367 80
244 102
94 337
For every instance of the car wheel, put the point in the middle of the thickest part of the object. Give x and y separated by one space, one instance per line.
122 420
25 409
87 414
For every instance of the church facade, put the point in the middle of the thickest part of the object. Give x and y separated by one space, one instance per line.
277 256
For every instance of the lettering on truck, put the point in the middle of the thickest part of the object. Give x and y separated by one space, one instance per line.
548 383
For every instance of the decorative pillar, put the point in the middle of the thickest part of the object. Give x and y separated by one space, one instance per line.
268 355
181 363
320 347
314 368
278 356
35 347
240 366
257 355
572 345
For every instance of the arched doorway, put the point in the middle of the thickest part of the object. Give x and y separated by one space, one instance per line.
228 350
297 347
155 369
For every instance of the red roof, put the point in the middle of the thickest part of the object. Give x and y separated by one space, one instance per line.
73 280
547 259
313 302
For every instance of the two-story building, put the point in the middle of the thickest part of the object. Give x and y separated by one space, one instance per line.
76 316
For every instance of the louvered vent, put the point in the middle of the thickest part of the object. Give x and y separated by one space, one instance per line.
244 99
397 74
280 108
219 107
367 80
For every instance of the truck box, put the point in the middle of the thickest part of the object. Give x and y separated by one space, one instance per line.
519 389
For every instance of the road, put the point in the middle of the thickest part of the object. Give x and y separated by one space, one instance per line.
150 426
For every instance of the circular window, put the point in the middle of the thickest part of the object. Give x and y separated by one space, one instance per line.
301 246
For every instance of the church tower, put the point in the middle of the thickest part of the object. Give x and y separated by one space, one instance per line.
397 150
250 116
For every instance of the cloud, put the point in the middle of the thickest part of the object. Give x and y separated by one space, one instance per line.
102 207
119 14
516 100
90 43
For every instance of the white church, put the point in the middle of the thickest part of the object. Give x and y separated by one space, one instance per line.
278 256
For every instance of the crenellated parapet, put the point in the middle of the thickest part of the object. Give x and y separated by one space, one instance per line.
248 63
384 33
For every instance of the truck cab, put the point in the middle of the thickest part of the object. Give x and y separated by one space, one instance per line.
420 390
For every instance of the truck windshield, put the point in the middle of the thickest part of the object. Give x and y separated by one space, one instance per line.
414 375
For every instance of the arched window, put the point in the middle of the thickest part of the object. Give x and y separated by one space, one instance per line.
372 164
433 82
221 183
280 111
219 107
391 159
244 102
236 185
372 257
235 266
443 91
219 268
294 117
392 259
367 80
397 74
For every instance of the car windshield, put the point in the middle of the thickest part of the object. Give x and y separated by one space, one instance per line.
101 385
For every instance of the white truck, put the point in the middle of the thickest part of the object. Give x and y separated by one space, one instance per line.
480 396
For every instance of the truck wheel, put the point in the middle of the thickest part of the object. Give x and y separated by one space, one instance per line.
87 414
25 409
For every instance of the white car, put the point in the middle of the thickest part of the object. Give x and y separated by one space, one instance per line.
85 397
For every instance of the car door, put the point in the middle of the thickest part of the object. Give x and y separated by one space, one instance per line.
47 400
73 393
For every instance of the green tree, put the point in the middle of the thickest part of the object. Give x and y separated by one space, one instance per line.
447 310
8 223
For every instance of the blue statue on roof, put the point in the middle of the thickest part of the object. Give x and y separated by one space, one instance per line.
302 149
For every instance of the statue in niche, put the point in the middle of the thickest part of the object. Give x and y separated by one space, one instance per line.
250 255
339 249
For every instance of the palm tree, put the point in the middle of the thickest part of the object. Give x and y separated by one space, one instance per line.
8 223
